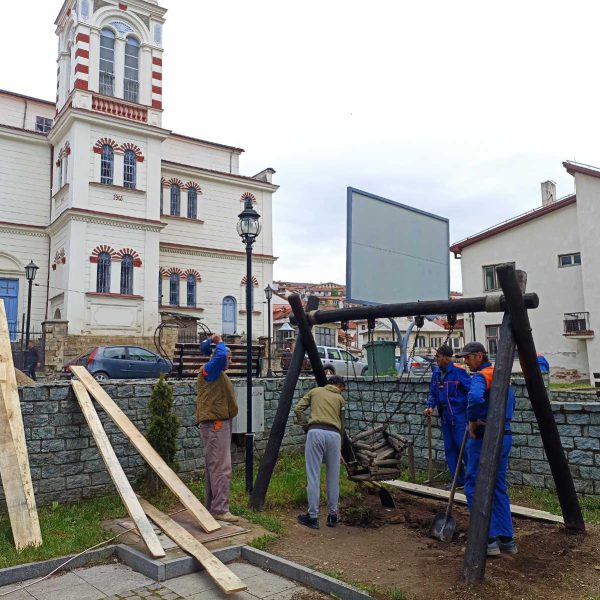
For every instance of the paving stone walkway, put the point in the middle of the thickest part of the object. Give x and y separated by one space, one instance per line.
119 582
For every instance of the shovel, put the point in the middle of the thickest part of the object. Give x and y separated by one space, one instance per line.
444 524
429 452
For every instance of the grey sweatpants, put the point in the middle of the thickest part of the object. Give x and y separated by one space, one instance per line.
322 446
217 460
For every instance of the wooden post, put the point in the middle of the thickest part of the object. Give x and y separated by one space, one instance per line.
540 402
269 459
491 450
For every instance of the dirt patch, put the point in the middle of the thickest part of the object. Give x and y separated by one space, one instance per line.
394 551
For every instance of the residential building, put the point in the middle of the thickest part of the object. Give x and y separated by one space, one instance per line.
126 219
557 244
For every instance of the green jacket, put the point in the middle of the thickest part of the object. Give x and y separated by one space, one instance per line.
216 399
327 407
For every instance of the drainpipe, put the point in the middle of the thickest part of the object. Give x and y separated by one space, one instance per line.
25 112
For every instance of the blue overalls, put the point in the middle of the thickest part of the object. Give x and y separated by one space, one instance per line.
477 408
448 393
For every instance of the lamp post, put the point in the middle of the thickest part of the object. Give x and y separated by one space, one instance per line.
30 271
248 228
268 296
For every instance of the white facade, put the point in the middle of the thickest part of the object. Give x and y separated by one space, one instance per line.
90 200
535 242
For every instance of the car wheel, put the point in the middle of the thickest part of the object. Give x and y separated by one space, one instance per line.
101 376
329 371
364 372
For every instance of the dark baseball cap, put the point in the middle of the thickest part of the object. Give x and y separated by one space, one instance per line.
471 348
444 351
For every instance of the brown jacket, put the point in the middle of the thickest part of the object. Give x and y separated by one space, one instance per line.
216 399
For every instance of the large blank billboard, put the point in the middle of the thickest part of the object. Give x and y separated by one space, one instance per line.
394 253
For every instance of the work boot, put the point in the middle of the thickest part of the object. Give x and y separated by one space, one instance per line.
226 516
308 521
493 549
508 546
332 520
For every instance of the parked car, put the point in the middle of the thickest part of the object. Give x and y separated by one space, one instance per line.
340 362
120 362
419 365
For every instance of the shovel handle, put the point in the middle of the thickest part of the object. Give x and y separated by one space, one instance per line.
457 471
430 449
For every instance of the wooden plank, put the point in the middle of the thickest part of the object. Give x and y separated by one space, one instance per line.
150 455
431 492
227 580
136 512
14 460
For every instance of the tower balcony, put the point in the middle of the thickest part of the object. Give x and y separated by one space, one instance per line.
119 108
577 326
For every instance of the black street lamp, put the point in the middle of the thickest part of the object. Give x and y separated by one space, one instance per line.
30 271
248 228
268 296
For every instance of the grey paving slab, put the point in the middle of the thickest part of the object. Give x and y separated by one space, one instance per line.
187 585
244 570
18 595
113 579
268 584
81 591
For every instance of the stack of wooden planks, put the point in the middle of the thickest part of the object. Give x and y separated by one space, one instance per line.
379 449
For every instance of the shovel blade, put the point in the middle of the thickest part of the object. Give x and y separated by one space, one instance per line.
443 527
386 499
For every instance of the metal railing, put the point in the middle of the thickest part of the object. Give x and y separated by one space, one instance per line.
576 323
19 350
107 83
131 90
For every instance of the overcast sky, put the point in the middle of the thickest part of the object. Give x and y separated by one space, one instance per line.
459 108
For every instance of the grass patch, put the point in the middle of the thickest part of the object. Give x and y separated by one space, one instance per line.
66 529
359 516
264 542
571 386
386 593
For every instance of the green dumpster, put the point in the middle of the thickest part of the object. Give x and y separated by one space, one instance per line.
381 357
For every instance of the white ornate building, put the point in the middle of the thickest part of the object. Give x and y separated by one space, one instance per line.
124 218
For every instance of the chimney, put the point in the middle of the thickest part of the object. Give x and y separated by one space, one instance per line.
548 192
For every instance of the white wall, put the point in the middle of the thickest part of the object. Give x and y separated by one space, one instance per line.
21 112
197 154
534 247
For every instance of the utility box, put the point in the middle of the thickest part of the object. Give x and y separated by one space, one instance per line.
381 358
258 410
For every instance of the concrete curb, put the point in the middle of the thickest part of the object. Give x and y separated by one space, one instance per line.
160 570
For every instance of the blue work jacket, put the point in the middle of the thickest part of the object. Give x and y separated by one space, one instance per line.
448 391
479 396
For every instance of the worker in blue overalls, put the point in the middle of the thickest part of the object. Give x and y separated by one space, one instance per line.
500 536
448 391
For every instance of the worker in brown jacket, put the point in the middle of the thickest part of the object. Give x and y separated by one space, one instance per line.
216 406
325 428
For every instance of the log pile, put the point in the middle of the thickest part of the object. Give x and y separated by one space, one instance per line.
379 449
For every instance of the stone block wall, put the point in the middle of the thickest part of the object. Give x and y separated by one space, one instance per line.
66 466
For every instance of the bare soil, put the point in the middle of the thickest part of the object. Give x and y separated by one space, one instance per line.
396 552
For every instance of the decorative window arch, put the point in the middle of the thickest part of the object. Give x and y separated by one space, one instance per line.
103 273
191 281
139 155
248 195
245 279
107 164
129 169
192 203
254 286
174 289
99 249
137 261
193 273
126 275
172 270
132 66
175 206
107 62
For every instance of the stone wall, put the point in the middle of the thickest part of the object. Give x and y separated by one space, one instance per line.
66 466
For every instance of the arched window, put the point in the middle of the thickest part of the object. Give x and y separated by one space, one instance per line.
103 273
129 174
191 290
192 203
107 164
160 287
229 315
175 200
107 63
132 63
162 187
127 275
174 290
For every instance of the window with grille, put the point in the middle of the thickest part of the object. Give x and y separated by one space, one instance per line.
569 260
132 63
127 275
492 336
107 63
103 273
43 125
174 290
191 290
192 208
421 341
129 167
175 200
324 336
107 164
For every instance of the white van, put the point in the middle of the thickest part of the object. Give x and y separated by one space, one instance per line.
340 362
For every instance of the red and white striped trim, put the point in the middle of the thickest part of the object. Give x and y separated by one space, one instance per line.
157 82
82 61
